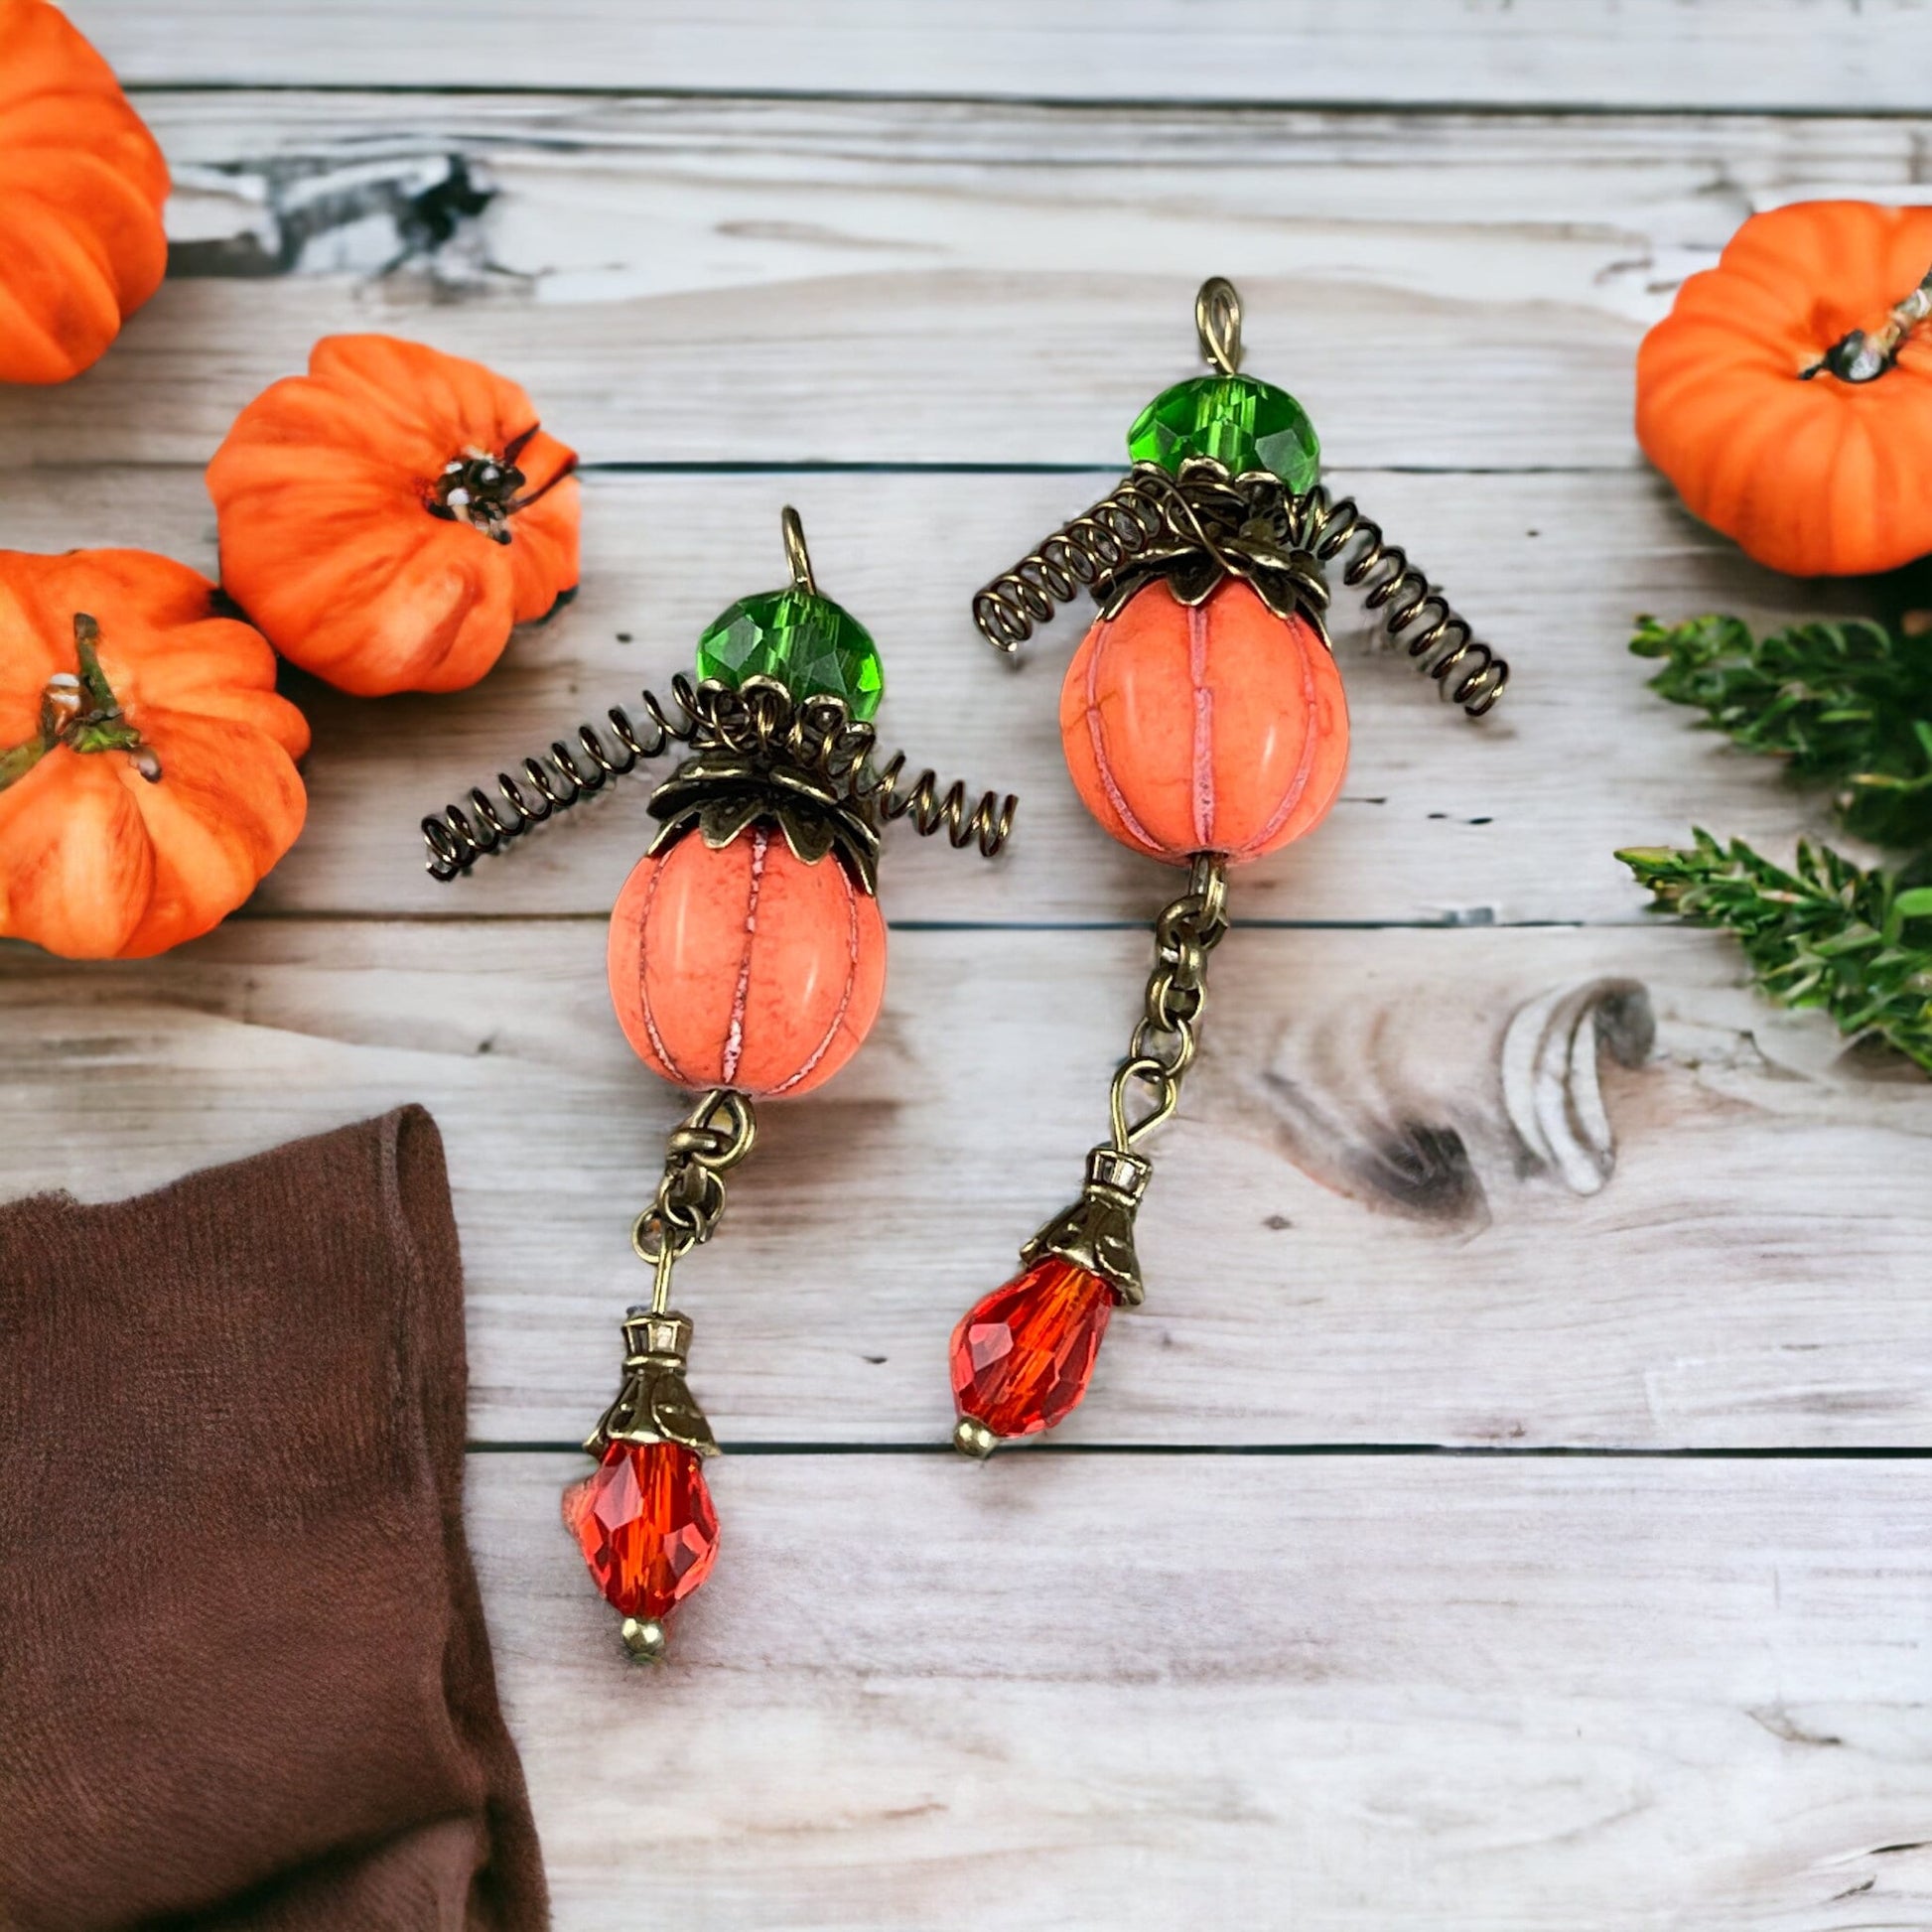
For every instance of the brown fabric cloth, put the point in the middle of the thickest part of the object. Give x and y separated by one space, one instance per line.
244 1679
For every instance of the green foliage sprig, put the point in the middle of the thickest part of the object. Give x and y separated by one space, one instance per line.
1829 933
1849 705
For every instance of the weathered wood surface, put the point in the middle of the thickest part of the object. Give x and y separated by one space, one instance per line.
1336 1694
1416 1193
1789 53
1445 1176
878 282
1512 819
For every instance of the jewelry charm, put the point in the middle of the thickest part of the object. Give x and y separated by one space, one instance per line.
1205 723
746 961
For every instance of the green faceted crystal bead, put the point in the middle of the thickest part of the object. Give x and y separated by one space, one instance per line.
814 646
1247 425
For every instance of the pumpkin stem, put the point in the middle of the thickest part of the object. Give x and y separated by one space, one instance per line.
1864 356
18 759
79 710
481 489
537 495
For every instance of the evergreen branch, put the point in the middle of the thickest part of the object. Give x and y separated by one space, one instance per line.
1849 705
1828 933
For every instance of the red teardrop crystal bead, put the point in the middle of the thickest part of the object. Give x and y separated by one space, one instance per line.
645 1525
1021 1357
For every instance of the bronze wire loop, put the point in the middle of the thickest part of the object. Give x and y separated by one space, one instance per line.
797 558
1217 322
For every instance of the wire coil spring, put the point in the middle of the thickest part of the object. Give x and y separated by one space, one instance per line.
1446 648
821 734
987 823
574 770
758 720
1148 510
1141 509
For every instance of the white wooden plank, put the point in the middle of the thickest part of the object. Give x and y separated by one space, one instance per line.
1796 53
878 282
603 198
1367 1224
942 367
1139 1692
1513 819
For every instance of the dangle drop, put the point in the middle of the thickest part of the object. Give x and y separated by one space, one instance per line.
747 962
643 1519
1205 723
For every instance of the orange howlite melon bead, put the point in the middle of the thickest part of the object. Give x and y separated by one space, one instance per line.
741 966
1220 728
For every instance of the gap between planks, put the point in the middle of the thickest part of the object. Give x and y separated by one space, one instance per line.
160 94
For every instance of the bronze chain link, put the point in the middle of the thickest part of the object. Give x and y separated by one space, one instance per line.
1168 1036
704 1147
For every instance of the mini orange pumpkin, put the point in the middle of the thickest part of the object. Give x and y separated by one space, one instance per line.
1215 727
147 765
387 518
81 186
1788 393
744 966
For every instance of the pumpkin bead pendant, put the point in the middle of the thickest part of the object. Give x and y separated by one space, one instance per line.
1212 727
746 961
1205 723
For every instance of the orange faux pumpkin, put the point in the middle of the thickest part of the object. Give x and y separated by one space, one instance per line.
81 183
388 517
147 765
1216 726
743 966
1788 393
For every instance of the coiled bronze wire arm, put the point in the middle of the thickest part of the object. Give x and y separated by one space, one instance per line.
1150 513
759 718
1445 648
987 823
457 838
1144 510
822 734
